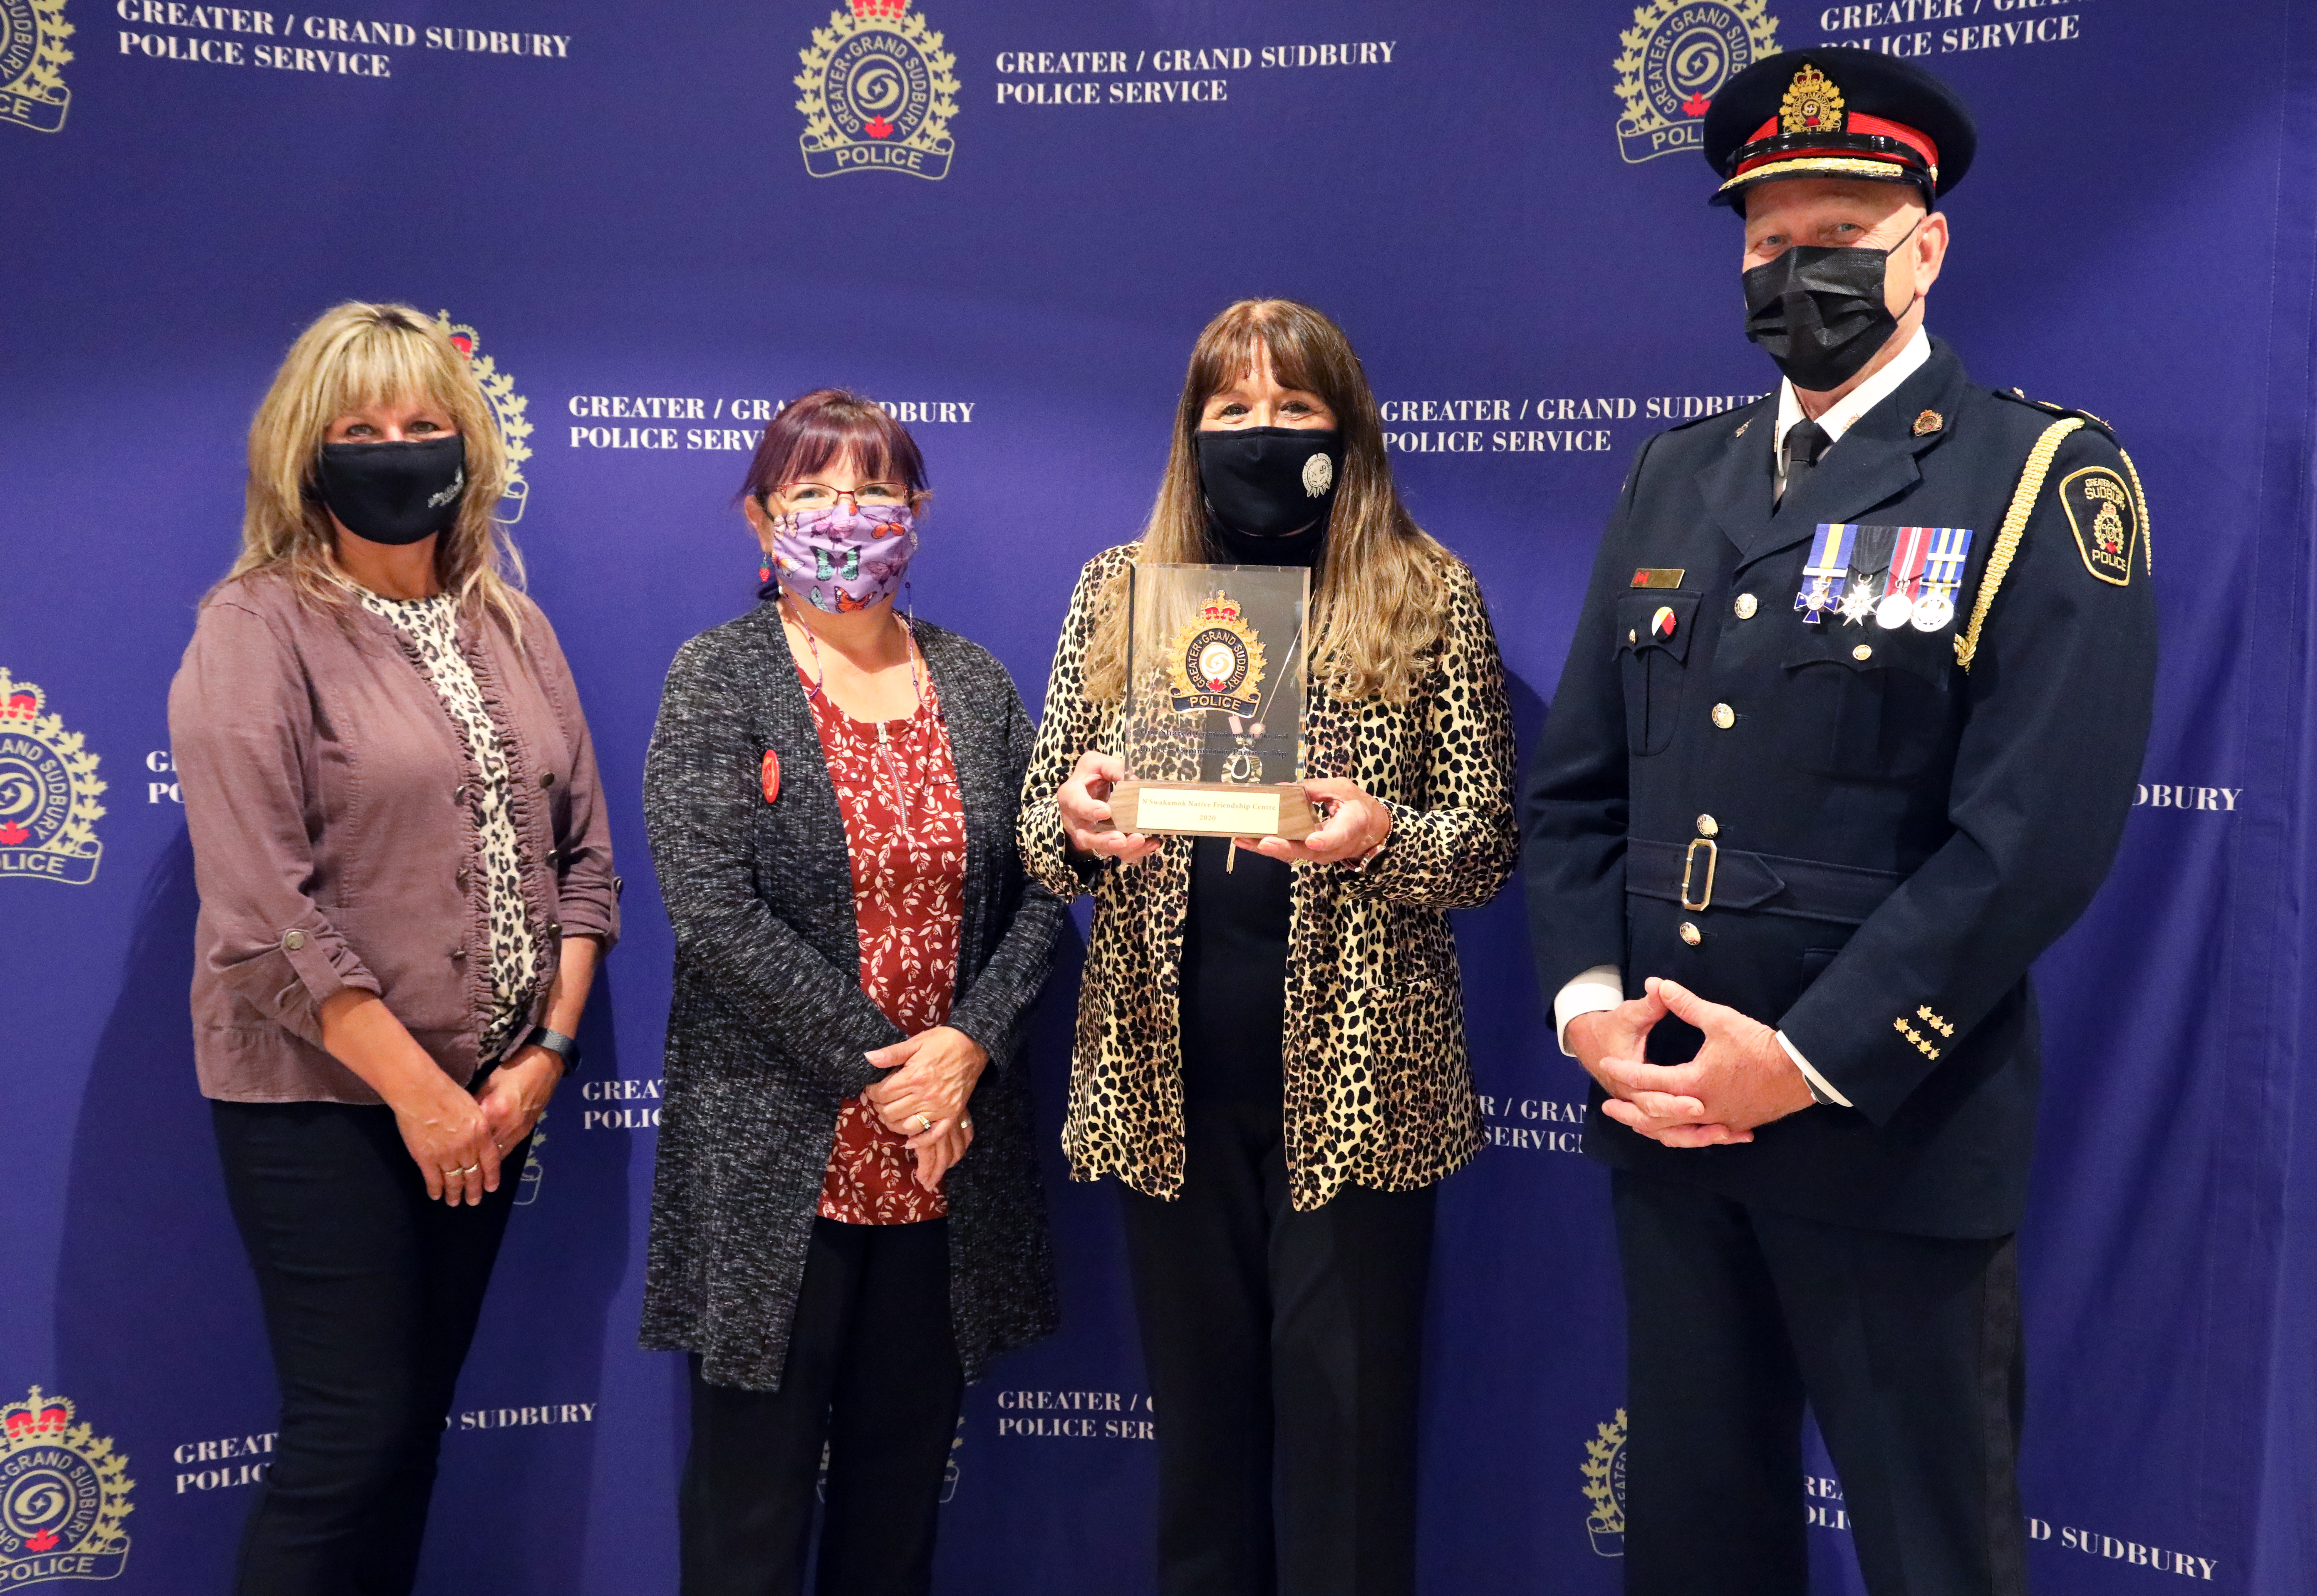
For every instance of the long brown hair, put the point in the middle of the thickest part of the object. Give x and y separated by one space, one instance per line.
1377 606
354 356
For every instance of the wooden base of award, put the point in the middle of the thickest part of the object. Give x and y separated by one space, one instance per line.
1213 809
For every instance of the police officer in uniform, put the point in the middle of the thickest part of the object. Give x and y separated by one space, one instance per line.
1847 737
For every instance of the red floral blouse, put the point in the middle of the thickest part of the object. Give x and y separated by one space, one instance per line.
905 828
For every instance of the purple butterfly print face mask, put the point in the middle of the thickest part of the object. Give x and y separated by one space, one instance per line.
841 560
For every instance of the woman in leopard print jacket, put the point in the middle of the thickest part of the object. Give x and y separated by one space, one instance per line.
1270 1049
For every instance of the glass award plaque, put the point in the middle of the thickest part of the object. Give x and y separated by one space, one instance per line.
1214 723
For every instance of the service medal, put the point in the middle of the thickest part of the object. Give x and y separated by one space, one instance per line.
1942 565
1933 611
1910 548
1829 563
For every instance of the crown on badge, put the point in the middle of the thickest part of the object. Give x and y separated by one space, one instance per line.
23 702
1219 608
37 1416
879 10
1812 104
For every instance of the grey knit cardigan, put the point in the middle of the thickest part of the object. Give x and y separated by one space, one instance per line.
768 1025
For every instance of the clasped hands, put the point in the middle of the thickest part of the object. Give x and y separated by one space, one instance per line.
1353 823
1742 1077
925 1098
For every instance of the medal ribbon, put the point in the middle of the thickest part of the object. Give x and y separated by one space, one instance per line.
1906 560
1950 547
1830 563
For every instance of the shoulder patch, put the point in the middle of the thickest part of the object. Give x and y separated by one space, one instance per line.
2106 519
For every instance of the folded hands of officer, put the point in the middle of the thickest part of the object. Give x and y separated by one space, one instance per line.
1740 1078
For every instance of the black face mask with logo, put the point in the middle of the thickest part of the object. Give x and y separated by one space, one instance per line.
1820 313
1267 481
395 493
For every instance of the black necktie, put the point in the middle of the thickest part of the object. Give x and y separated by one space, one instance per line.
1805 442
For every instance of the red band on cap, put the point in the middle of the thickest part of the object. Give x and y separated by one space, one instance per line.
1912 137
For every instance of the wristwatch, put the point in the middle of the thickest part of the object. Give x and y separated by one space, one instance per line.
562 1046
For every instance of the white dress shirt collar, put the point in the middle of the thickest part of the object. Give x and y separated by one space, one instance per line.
1851 406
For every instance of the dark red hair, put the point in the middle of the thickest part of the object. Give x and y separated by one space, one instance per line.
831 424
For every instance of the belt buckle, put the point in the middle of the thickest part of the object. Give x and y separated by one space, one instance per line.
1689 868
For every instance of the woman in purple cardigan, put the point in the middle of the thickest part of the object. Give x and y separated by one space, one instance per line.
405 883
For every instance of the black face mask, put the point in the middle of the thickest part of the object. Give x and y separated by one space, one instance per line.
1269 480
395 493
1820 313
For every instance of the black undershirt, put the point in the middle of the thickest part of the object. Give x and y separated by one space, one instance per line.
1234 987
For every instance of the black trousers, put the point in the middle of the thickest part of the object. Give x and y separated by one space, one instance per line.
872 1372
371 1294
1906 1348
1282 1350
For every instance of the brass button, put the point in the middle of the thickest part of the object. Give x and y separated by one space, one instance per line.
1691 934
1862 652
293 940
555 927
1745 604
1707 826
547 778
1724 716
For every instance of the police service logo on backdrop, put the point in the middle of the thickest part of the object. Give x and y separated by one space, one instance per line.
507 408
47 795
1605 1487
878 94
63 1493
32 59
1679 53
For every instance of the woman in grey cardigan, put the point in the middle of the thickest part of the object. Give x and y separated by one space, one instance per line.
846 1219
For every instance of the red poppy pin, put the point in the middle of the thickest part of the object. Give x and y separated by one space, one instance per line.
770 775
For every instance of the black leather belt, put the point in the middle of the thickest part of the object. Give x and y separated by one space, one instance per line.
1704 875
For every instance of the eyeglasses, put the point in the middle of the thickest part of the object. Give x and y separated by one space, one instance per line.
818 495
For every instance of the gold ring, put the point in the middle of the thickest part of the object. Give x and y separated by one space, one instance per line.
965 1124
924 1123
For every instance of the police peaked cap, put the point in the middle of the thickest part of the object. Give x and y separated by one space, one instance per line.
1837 112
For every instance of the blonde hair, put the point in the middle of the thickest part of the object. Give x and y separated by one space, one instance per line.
356 355
1380 592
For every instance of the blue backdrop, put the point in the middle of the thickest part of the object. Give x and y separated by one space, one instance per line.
654 222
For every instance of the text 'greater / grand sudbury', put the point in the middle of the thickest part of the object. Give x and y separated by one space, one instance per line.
1114 76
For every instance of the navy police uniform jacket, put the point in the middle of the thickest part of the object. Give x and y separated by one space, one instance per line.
1890 837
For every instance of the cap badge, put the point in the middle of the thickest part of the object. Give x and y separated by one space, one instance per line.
1812 104
1928 423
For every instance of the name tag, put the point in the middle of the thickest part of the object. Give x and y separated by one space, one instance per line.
1659 575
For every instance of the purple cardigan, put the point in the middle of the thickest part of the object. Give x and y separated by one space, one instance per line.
334 846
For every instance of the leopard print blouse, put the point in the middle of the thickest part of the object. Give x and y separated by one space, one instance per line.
428 628
1379 1088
